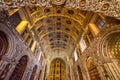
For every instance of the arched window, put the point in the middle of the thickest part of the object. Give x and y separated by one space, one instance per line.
19 69
92 69
80 73
33 73
57 70
3 44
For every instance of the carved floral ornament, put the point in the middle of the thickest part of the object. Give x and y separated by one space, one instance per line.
108 7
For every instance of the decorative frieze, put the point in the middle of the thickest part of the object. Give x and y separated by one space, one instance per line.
110 8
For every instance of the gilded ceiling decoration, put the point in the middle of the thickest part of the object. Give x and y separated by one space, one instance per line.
43 12
108 7
59 33
58 28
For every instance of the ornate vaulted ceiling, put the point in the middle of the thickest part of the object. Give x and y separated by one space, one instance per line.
59 33
58 28
58 23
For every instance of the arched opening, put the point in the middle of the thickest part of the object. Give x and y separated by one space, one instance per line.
33 73
112 51
57 70
92 69
80 73
114 46
3 44
19 69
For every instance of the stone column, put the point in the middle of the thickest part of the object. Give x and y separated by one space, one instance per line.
68 71
75 74
27 73
5 60
85 73
71 70
9 74
101 72
37 75
43 73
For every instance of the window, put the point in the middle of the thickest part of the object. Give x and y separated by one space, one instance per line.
75 56
100 22
83 44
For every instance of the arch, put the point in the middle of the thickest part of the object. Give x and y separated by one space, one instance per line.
10 39
92 69
79 73
19 69
113 47
104 37
57 70
33 73
3 44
